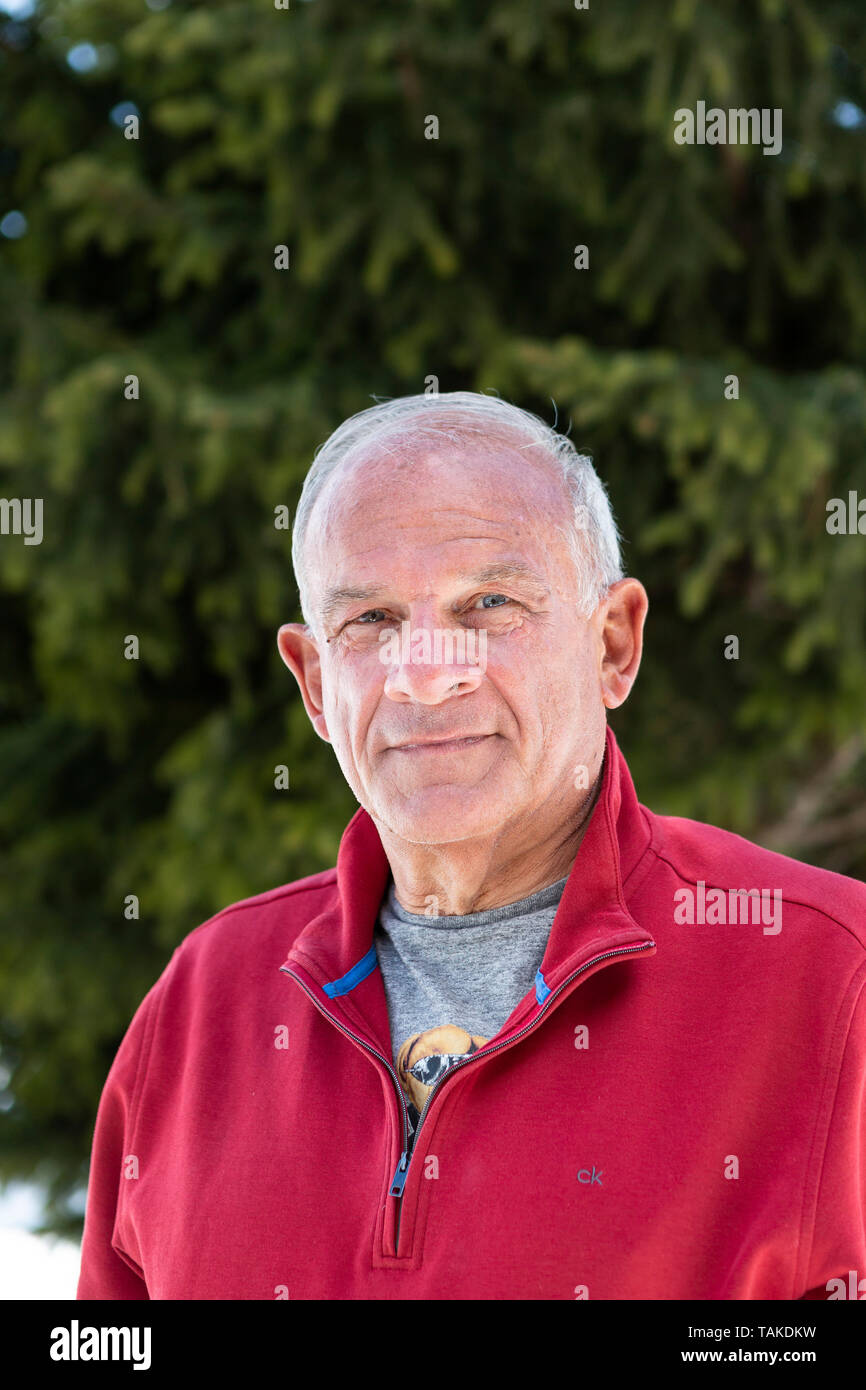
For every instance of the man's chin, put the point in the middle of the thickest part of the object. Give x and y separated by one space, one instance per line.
442 814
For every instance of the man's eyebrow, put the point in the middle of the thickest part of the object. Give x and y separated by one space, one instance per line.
505 573
335 598
502 573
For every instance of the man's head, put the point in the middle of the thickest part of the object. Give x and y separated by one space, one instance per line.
454 514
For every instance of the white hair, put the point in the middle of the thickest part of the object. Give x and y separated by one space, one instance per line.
453 415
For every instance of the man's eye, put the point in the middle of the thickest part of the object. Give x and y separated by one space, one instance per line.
372 615
488 600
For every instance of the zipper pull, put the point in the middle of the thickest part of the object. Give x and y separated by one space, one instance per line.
396 1188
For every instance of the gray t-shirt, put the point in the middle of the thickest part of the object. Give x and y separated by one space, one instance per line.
451 982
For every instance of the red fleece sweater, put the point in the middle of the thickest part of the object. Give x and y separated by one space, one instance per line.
675 1110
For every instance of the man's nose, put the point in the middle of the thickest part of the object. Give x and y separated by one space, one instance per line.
425 665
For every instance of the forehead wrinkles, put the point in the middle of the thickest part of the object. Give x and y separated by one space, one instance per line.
519 492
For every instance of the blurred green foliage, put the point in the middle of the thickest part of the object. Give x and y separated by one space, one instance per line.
408 257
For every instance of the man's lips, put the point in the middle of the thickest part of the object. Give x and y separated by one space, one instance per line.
440 745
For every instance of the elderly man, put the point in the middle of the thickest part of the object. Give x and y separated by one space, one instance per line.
528 1040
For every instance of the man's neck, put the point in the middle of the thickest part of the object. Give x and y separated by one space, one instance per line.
469 876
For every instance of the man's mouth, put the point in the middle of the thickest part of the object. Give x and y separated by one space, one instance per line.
441 745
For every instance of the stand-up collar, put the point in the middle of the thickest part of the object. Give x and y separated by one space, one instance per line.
336 947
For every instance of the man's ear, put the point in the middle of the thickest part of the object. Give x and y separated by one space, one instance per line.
622 618
300 652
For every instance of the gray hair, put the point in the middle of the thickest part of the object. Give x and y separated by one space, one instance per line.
593 536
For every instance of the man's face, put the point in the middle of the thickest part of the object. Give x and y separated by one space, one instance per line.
464 538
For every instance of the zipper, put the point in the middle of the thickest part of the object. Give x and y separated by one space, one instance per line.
404 1109
398 1182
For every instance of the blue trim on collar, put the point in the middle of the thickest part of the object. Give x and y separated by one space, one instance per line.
352 977
542 988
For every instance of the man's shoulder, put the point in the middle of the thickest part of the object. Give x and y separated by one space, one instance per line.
275 916
699 852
